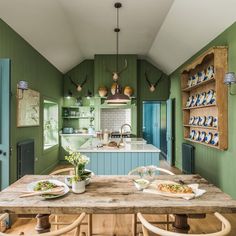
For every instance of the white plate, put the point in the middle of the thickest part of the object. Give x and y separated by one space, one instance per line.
195 99
31 186
215 139
208 121
194 80
202 120
190 81
210 72
202 99
191 120
213 99
208 138
196 135
196 120
201 76
209 96
192 133
215 122
202 136
189 102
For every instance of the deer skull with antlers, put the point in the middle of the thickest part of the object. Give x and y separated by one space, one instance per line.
79 87
116 75
152 87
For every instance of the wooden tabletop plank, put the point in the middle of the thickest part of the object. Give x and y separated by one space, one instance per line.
115 194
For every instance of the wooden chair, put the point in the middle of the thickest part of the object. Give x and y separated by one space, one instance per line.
70 171
148 227
134 220
74 226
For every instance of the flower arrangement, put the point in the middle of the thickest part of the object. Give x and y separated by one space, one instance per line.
79 162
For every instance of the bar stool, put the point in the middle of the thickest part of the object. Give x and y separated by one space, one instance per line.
160 170
73 226
148 227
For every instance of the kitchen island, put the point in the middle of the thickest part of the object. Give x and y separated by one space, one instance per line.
119 161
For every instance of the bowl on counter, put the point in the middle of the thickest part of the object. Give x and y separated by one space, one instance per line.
141 184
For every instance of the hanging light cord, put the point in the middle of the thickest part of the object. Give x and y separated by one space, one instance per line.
117 30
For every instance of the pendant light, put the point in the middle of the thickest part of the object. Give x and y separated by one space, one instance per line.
118 98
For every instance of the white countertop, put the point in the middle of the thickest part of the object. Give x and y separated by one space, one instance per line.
131 145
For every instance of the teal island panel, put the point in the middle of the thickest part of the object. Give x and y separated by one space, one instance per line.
119 163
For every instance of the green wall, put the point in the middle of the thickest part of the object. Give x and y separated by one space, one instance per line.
27 64
160 94
217 166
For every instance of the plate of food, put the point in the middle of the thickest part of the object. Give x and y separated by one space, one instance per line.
173 189
46 186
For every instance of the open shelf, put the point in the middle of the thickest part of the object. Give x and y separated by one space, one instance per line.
78 117
214 58
206 144
201 127
197 107
187 89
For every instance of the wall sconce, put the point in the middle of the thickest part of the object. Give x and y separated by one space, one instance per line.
229 80
21 87
68 94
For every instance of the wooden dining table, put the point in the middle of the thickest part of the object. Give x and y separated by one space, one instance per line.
115 195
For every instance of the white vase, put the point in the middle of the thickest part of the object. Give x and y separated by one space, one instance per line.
78 186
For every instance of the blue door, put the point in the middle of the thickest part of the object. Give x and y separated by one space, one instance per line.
151 122
4 122
169 131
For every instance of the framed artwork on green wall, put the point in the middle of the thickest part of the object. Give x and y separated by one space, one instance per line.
28 109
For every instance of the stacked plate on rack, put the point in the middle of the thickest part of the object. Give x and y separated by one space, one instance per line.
201 76
202 99
209 121
208 138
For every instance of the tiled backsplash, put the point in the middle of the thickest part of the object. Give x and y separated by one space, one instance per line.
112 119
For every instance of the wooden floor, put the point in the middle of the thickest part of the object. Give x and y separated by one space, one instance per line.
120 225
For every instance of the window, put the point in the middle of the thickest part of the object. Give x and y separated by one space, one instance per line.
50 124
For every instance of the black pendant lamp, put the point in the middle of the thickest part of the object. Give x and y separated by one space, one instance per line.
118 98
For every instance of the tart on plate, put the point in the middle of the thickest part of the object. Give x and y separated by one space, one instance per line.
174 188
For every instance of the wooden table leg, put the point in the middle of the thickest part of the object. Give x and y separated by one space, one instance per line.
90 224
180 224
43 225
134 224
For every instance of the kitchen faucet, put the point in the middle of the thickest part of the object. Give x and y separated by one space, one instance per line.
121 142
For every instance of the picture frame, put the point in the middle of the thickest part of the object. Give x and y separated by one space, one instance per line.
28 109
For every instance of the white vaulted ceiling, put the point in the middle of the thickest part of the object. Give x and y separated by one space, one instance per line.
167 32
